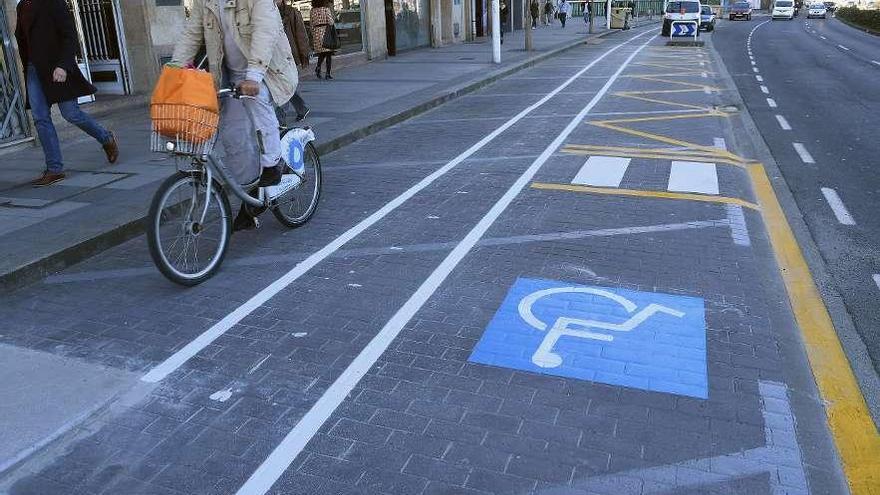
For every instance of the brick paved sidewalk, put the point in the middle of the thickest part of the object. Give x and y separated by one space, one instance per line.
97 206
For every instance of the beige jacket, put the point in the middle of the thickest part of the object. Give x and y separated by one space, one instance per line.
259 34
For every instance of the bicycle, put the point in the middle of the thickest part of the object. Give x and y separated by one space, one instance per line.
189 224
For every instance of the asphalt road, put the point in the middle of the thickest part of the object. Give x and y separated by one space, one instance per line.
426 333
822 76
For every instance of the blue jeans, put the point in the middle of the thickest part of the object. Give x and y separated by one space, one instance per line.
41 110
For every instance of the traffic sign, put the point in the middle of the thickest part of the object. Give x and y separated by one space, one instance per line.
684 29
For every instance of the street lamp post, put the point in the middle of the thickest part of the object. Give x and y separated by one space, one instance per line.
496 31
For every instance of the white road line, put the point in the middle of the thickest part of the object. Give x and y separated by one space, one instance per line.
719 143
837 206
843 47
876 278
771 102
695 177
824 38
765 90
754 63
783 123
180 357
805 155
605 171
759 78
293 444
755 69
875 62
739 230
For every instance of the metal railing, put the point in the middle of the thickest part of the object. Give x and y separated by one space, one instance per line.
13 120
99 30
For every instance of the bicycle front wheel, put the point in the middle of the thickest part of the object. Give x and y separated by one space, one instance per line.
296 207
187 241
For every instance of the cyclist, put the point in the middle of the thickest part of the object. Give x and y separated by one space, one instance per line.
247 47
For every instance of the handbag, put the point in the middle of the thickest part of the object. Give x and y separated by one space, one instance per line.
331 39
184 105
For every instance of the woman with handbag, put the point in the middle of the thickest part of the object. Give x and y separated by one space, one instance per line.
323 29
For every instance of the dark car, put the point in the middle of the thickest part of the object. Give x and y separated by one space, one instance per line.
707 18
741 10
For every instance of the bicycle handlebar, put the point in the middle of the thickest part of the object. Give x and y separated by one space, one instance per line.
233 93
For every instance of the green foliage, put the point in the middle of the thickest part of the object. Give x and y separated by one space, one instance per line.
868 19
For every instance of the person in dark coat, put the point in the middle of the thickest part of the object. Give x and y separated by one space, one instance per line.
298 37
47 45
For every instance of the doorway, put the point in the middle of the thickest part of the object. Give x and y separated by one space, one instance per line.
102 36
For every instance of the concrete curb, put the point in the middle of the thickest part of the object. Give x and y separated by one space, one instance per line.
36 270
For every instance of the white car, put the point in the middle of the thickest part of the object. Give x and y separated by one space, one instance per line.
817 10
681 10
783 9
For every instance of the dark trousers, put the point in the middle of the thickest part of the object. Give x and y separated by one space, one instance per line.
562 16
328 56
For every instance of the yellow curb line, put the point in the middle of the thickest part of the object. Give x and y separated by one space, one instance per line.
644 194
849 420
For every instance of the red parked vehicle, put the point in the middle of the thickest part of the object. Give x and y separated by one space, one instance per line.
741 10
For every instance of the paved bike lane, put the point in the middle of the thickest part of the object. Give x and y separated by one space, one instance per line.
474 395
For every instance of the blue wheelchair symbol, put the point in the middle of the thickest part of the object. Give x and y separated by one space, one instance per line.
638 339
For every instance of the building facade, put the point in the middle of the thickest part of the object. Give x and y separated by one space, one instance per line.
123 43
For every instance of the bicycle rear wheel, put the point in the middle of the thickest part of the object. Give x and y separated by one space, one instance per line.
186 249
296 207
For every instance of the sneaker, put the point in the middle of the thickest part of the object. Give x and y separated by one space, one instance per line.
301 117
47 179
271 176
111 149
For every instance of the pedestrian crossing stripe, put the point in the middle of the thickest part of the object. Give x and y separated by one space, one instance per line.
611 191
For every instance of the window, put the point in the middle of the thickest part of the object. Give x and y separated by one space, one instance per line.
689 7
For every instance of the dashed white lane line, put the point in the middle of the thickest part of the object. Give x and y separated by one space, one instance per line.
772 102
754 63
824 38
759 78
783 123
876 278
765 90
179 358
837 206
843 47
603 171
295 441
695 177
805 155
875 62
755 69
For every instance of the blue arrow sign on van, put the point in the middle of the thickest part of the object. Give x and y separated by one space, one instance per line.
684 29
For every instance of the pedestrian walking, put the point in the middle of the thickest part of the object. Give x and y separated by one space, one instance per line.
47 46
320 18
535 12
548 12
503 13
564 11
259 66
298 38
